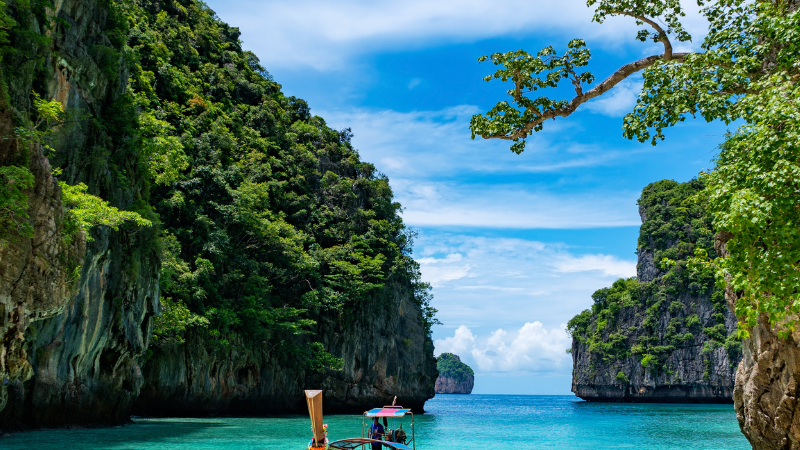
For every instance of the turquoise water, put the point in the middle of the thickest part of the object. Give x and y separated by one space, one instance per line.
451 422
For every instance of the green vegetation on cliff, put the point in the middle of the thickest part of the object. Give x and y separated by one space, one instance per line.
38 122
744 70
267 218
450 366
675 224
270 217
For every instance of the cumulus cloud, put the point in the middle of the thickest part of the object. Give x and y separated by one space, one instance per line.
325 35
531 348
460 343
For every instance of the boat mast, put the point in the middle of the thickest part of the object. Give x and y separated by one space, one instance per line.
314 402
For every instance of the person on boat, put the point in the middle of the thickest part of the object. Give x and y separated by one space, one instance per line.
376 432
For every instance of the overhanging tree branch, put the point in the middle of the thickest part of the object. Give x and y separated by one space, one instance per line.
662 35
514 121
604 86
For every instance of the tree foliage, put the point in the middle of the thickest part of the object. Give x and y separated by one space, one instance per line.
175 318
675 225
14 184
270 218
84 210
746 70
450 366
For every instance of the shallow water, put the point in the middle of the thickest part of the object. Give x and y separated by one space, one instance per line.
451 421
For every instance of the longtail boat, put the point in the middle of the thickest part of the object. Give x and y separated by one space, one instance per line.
393 437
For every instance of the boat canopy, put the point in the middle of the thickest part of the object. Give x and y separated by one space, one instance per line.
353 443
387 412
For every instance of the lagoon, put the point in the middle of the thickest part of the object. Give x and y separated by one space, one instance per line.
488 422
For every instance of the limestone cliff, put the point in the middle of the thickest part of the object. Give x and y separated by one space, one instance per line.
72 341
288 248
455 377
666 336
385 349
765 396
35 284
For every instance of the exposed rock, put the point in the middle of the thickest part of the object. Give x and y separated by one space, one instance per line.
385 349
35 278
454 381
82 340
766 392
690 375
671 339
447 385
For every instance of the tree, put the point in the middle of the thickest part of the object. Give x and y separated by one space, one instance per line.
747 70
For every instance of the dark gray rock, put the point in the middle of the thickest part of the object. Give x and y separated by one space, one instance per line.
691 374
386 353
672 339
77 343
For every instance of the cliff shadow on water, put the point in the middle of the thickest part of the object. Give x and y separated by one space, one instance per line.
666 335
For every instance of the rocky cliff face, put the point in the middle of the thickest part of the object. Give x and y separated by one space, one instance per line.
765 396
35 284
385 349
447 385
665 336
455 377
692 372
72 343
766 393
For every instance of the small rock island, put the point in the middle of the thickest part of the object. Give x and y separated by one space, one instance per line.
455 377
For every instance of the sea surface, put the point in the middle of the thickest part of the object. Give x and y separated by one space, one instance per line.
486 422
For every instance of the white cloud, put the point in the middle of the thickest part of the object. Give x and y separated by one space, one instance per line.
437 203
419 149
482 280
609 265
619 101
438 143
461 342
532 348
439 271
325 35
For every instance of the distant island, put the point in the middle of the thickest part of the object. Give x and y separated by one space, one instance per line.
455 377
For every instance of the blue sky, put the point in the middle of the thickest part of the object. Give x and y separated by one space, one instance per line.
513 245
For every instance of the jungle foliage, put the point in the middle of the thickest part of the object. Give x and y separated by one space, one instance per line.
268 219
450 366
746 70
675 224
83 210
